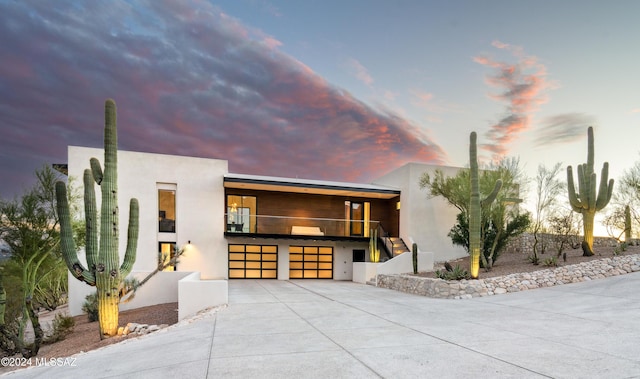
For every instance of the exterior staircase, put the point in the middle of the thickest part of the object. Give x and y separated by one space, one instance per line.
392 246
398 246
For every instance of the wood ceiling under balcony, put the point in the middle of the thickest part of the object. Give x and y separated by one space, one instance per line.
317 187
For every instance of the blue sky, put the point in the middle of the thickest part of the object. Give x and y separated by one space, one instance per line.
337 90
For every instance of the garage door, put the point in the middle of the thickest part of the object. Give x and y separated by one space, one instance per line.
253 261
307 262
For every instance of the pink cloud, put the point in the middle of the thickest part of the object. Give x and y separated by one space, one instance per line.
522 88
201 84
360 71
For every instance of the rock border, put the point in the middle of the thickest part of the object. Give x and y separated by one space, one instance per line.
467 289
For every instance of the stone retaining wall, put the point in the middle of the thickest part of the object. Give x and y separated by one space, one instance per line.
465 289
524 242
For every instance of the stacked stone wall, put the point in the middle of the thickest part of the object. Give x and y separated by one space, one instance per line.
464 289
524 242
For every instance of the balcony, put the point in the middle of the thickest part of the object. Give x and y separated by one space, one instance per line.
298 227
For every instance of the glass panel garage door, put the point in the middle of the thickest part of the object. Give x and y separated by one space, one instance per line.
307 262
253 262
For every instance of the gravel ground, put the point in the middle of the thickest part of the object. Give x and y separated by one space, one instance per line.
514 262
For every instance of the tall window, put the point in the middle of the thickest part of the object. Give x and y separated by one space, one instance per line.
166 253
241 214
167 210
358 215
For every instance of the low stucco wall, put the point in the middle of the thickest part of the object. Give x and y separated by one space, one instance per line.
464 289
196 295
366 271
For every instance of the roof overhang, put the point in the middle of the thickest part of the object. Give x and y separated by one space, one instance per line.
316 187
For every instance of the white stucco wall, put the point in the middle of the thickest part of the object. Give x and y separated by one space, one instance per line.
425 220
199 209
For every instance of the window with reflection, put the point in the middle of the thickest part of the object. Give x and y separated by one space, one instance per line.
166 211
241 214
166 254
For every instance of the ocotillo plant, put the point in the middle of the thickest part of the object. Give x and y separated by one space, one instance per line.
627 225
414 256
103 261
475 208
586 200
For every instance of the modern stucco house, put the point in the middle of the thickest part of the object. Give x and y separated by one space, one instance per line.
235 226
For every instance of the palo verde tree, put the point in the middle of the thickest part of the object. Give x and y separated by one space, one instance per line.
548 189
586 200
103 260
31 278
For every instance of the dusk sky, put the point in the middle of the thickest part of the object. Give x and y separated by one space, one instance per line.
336 90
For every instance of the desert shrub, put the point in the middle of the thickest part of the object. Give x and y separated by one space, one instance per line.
551 261
62 326
534 259
90 306
453 273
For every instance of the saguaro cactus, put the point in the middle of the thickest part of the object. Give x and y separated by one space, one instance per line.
627 224
586 200
414 257
475 206
103 261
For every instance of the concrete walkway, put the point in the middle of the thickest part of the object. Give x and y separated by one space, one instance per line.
327 329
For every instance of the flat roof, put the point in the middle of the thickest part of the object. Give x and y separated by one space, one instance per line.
320 187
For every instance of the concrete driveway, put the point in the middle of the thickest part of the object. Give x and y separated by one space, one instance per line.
328 329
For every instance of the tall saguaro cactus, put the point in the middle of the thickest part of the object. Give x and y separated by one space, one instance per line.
103 261
627 224
586 200
475 208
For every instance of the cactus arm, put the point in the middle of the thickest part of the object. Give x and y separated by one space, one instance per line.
573 198
591 199
492 196
132 239
91 220
66 238
96 170
583 187
606 188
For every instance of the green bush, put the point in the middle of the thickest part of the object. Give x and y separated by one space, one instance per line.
551 261
455 273
90 306
62 326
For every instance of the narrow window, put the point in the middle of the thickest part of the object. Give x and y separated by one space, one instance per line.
167 210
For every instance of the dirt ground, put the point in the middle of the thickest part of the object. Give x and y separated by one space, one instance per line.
86 335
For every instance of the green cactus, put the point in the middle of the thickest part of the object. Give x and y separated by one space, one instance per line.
414 256
374 251
627 224
475 206
586 200
103 261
